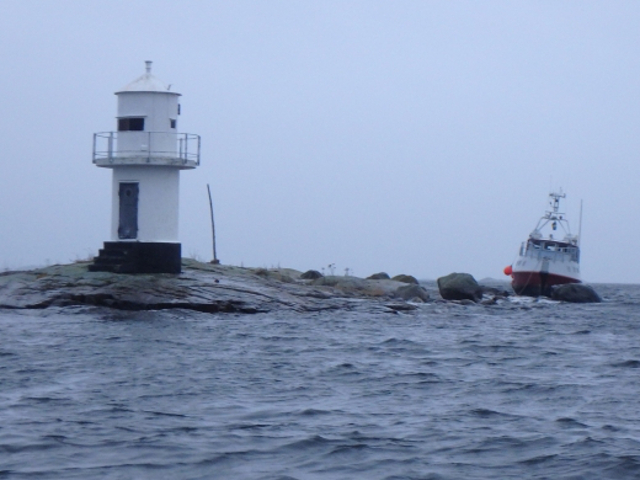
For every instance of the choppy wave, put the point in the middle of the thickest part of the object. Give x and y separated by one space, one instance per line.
523 389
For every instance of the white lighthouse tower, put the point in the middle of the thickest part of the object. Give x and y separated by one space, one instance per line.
146 155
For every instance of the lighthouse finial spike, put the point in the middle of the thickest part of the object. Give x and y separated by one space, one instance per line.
148 65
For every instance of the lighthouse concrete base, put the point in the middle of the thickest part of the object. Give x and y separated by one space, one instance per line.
138 257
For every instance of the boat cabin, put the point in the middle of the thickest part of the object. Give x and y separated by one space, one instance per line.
550 247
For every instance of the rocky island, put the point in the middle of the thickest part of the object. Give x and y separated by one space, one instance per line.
213 288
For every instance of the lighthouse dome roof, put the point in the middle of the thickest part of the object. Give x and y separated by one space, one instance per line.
147 83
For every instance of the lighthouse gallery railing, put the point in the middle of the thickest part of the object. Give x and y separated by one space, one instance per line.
186 151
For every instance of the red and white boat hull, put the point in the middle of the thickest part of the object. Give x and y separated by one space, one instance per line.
534 284
537 273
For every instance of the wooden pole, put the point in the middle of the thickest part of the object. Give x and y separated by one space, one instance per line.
215 260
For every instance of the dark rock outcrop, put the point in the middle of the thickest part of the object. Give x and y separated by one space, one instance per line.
311 275
495 292
459 286
405 279
491 295
412 292
379 276
575 293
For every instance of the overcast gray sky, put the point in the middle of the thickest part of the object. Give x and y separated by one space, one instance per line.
415 137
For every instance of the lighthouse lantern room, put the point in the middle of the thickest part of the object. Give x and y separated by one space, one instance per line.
145 154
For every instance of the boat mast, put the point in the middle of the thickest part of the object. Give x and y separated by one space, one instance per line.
580 225
555 203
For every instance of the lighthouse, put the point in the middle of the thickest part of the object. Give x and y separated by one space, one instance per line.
145 155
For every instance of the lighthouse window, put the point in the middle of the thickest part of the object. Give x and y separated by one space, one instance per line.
131 123
173 122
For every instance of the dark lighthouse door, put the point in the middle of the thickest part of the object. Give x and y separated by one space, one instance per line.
128 222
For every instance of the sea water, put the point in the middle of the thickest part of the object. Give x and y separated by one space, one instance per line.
523 389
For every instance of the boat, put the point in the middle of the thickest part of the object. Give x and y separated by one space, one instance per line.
544 260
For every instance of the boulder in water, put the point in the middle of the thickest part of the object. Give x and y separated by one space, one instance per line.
411 291
405 279
459 286
379 276
575 293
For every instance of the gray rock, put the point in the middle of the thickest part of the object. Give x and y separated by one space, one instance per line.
495 292
575 293
491 295
465 301
286 275
379 276
409 292
459 286
400 307
311 275
341 282
359 286
203 287
405 279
